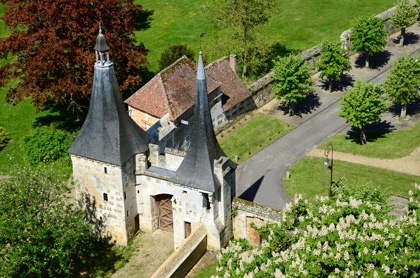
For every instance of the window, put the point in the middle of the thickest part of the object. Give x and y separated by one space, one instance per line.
106 197
206 201
105 170
125 195
127 213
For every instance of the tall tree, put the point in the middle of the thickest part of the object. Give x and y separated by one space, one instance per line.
368 36
333 62
362 105
403 17
241 17
291 80
41 234
51 48
403 82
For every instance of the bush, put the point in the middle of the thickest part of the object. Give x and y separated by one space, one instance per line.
173 53
4 137
47 144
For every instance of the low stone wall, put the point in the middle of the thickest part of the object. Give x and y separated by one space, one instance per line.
246 213
185 256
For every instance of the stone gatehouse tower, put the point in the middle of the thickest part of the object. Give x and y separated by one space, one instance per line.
131 184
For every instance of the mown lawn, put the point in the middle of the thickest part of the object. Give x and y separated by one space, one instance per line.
253 136
393 144
298 24
310 177
208 271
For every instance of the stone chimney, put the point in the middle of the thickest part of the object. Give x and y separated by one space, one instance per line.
232 62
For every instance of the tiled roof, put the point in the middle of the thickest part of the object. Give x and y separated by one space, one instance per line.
171 91
232 85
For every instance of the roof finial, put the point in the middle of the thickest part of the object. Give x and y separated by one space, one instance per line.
100 29
201 35
200 68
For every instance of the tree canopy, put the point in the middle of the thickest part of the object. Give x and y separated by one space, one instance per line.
403 17
240 18
41 234
368 36
292 80
403 82
362 105
173 53
342 236
51 48
333 62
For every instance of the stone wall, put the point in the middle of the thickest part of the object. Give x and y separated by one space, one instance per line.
142 119
186 256
246 213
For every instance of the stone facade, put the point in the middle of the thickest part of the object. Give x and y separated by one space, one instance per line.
144 120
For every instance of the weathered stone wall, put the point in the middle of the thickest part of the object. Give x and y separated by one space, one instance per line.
186 256
142 119
246 213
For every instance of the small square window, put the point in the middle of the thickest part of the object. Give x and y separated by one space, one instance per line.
105 170
125 195
127 213
106 197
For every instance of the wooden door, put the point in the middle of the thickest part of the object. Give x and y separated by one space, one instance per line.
187 228
164 205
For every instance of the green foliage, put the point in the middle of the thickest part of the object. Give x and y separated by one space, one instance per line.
362 105
404 15
333 61
173 53
47 144
332 237
4 137
368 36
292 80
241 19
367 192
403 80
41 234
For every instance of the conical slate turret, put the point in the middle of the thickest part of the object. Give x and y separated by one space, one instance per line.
196 170
108 133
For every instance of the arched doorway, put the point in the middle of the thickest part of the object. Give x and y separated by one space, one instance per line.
164 207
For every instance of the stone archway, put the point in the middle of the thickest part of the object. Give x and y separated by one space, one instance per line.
164 210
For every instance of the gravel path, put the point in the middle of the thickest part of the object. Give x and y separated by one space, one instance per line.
409 164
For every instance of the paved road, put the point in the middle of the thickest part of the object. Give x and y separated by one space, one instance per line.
260 178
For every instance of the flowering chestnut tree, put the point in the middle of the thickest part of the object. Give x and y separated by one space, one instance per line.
332 237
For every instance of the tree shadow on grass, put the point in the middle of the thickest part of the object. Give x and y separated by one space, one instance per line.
409 38
376 61
306 106
59 117
143 19
373 132
412 108
346 81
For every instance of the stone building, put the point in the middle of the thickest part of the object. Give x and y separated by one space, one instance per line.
129 182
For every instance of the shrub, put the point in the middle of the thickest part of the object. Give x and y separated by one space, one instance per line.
173 53
4 137
47 144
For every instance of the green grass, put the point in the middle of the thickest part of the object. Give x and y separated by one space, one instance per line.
393 144
310 177
299 24
208 271
253 136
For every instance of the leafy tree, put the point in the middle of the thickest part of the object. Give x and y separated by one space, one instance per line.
41 234
340 236
403 82
368 36
362 105
292 80
52 42
4 137
333 62
403 17
47 144
241 17
173 53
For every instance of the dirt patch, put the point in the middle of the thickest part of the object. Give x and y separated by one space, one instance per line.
151 251
408 164
209 258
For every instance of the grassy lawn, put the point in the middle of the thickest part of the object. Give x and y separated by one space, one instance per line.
208 271
310 177
394 144
253 136
299 24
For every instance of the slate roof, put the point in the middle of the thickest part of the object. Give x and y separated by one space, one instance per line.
171 91
108 133
196 170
